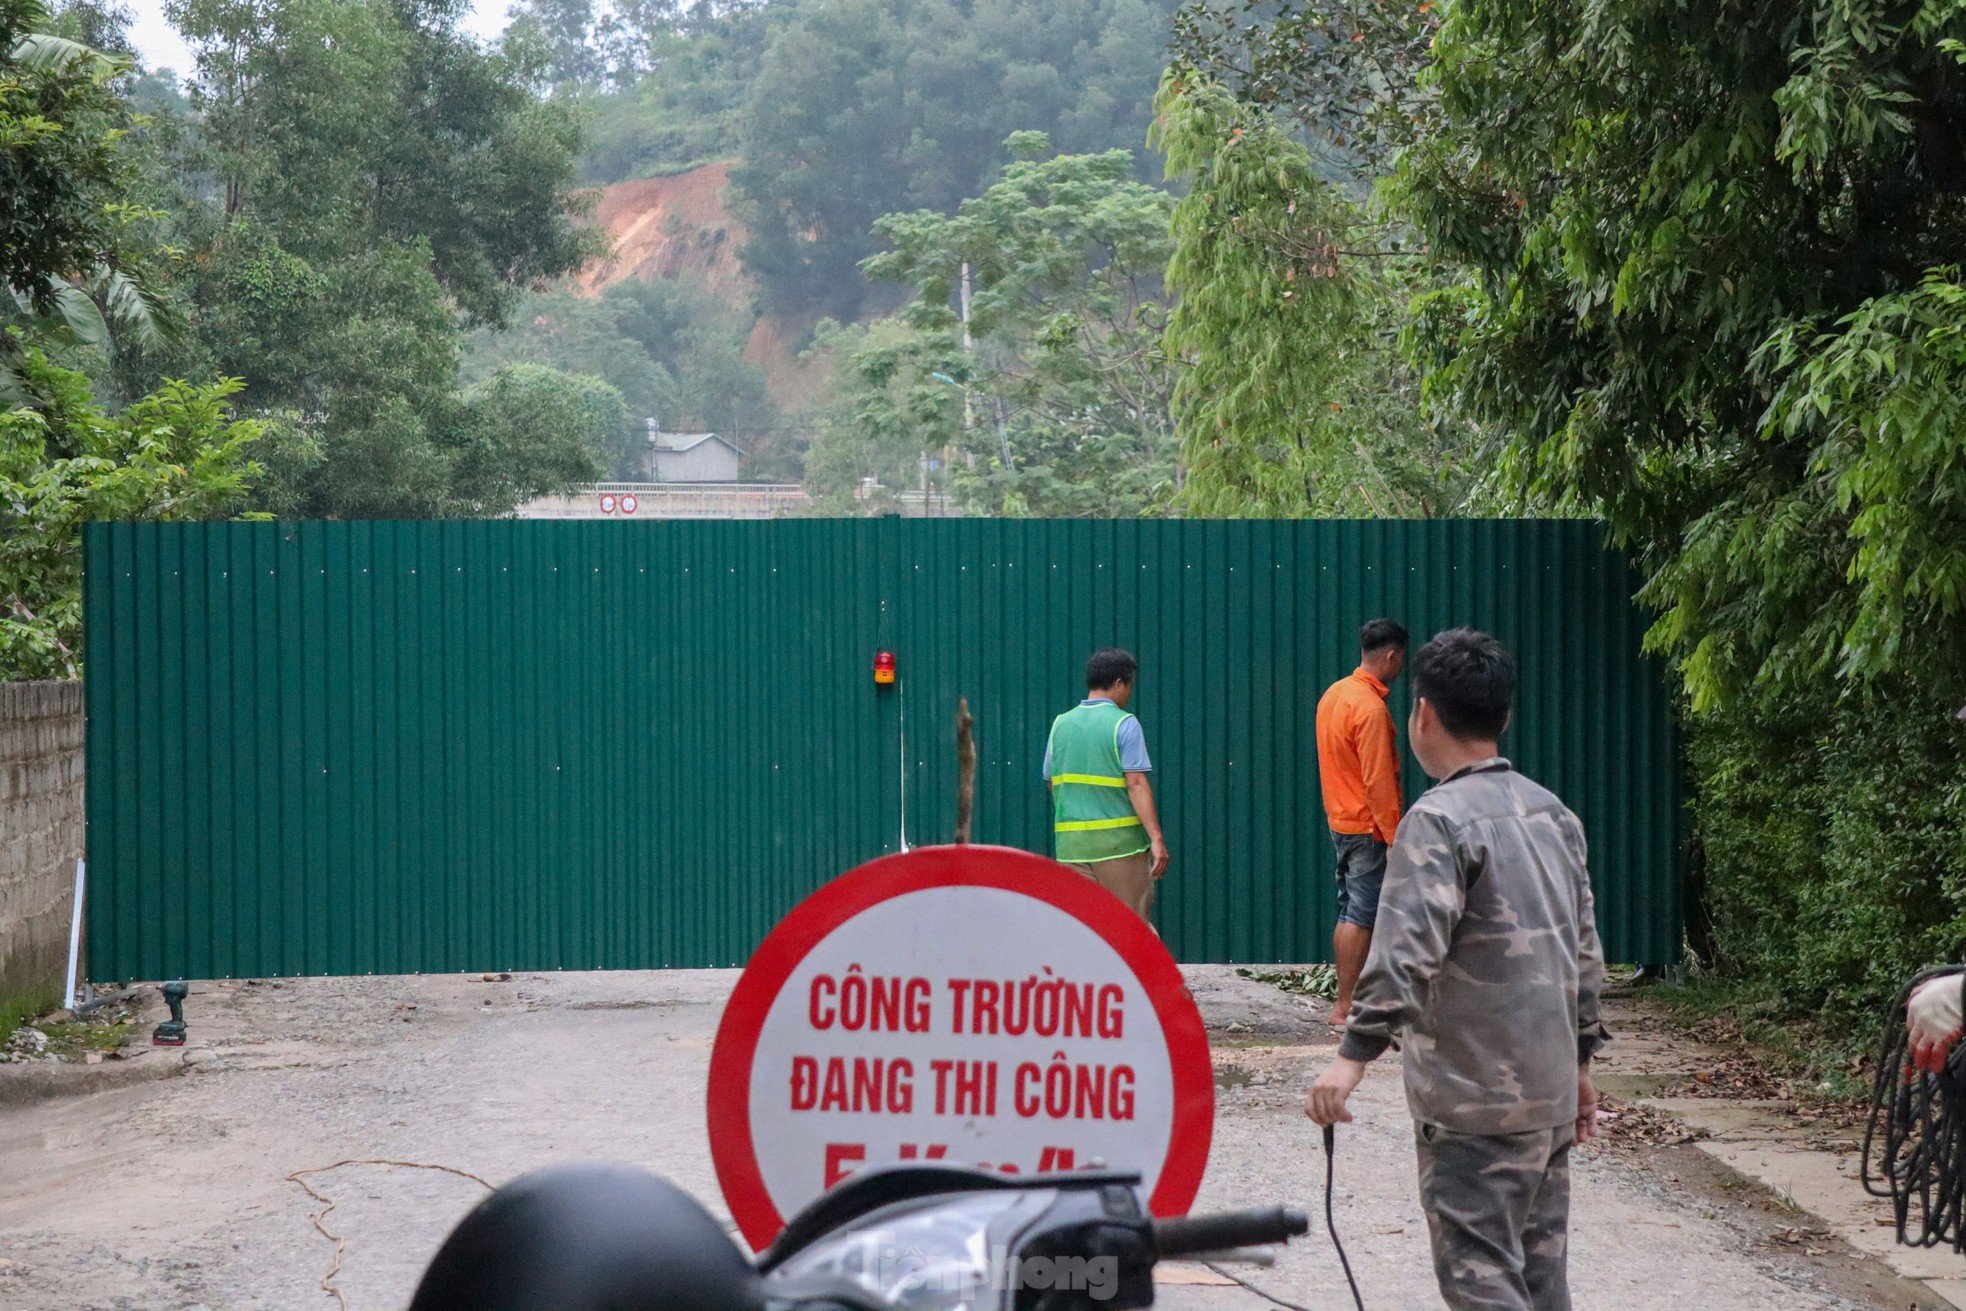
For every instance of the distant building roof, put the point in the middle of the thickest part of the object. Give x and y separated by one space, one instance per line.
677 442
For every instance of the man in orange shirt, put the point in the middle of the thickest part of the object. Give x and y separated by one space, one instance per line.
1358 767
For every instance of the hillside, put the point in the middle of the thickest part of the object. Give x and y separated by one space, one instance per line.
671 227
680 227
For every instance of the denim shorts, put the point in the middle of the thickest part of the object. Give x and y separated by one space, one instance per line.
1361 873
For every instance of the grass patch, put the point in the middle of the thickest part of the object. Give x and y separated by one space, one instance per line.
19 1008
71 1040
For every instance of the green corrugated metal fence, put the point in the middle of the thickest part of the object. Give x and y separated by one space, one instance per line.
342 748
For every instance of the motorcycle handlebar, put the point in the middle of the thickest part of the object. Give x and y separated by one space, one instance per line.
1216 1233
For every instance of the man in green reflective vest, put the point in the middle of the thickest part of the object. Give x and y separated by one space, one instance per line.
1102 802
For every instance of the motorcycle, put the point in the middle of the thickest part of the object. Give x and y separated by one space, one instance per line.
892 1238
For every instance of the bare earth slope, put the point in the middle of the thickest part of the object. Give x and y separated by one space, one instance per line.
681 227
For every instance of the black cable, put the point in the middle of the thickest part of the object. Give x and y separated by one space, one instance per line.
1267 1296
1915 1135
1330 1185
1330 1224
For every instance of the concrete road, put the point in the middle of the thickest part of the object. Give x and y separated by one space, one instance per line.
172 1195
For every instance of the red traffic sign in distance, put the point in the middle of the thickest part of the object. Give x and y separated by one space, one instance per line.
607 502
629 503
972 1005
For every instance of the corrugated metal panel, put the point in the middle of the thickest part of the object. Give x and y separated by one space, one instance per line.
342 748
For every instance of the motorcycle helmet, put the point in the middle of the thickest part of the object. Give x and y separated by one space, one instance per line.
589 1237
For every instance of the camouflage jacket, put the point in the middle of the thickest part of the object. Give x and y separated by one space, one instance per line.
1485 964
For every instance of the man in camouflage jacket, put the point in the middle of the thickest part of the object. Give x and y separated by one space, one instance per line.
1486 969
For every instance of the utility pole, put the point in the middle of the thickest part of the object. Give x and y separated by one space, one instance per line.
969 354
969 409
969 345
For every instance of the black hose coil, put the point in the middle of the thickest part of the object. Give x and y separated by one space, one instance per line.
1915 1135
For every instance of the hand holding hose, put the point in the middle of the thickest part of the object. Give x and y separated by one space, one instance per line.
1325 1103
1933 1020
1915 1135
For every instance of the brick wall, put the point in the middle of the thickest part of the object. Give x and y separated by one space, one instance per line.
40 830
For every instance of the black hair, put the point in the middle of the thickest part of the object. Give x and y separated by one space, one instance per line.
1378 634
1469 679
1109 666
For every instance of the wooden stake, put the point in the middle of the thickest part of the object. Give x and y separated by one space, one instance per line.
965 768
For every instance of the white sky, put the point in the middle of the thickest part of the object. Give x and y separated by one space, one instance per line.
162 47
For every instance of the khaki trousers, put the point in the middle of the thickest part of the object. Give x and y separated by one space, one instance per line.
1130 878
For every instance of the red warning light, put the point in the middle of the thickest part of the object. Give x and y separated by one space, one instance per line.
883 667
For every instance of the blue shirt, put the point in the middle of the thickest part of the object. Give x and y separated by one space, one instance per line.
1132 743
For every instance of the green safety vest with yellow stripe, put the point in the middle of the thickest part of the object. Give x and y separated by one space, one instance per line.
1092 814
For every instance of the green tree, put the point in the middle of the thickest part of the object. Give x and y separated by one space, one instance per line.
686 106
1058 405
675 354
176 454
871 107
71 250
1346 72
1831 845
344 124
361 354
1712 290
699 340
582 336
581 47
1294 399
1722 318
60 169
560 38
528 430
70 242
890 406
360 182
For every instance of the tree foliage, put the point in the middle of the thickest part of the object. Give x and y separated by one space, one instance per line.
1346 72
893 401
673 352
870 107
580 47
675 82
1058 404
343 125
1831 846
70 239
528 430
1880 397
64 461
1713 295
351 185
580 336
1711 286
1292 399
61 171
71 266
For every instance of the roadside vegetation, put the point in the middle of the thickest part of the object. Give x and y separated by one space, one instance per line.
1699 273
1692 273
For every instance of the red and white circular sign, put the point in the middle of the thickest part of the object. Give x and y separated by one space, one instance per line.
973 1005
628 503
607 502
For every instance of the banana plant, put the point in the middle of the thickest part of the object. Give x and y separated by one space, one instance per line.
101 301
106 306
